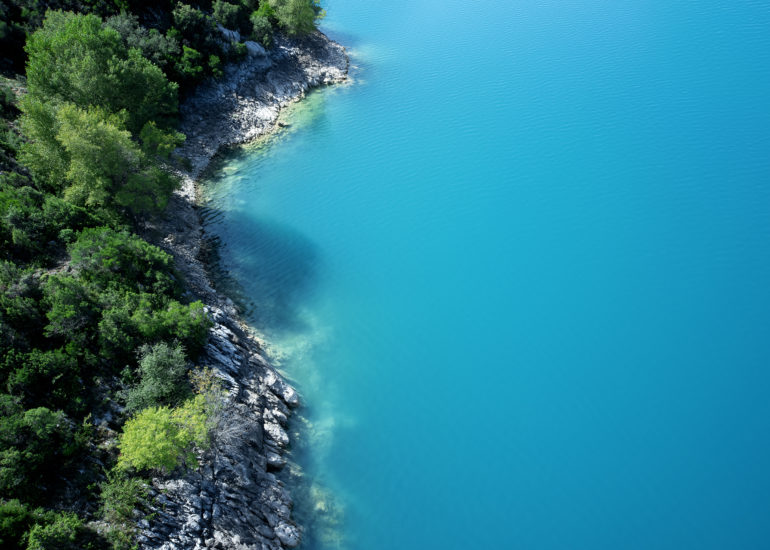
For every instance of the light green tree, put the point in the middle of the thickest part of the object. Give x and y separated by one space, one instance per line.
90 157
160 438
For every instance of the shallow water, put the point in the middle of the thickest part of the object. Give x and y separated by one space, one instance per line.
519 270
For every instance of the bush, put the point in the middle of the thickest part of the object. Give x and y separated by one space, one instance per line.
297 17
61 534
70 307
163 380
107 257
34 446
226 14
153 45
48 378
89 156
189 65
120 496
160 438
262 29
7 101
14 522
20 312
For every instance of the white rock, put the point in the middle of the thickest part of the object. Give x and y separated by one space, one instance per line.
287 534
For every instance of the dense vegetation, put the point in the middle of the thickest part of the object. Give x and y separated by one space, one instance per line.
98 337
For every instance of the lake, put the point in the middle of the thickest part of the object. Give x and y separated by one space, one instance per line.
519 270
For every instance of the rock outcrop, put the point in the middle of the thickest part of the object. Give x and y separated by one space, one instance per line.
235 500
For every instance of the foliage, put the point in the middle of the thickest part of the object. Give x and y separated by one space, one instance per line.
90 157
226 14
189 65
34 445
74 58
123 294
163 370
261 28
103 256
192 22
20 313
15 518
160 438
297 17
120 496
60 534
50 378
156 47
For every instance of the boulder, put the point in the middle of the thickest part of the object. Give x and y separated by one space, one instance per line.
255 49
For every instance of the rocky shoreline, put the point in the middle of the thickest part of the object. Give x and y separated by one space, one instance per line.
235 500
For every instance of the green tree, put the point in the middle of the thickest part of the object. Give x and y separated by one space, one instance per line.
92 159
297 17
60 534
160 438
226 14
163 381
105 256
154 46
34 446
74 58
261 28
49 378
15 519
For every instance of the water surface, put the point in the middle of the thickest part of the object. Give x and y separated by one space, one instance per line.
519 270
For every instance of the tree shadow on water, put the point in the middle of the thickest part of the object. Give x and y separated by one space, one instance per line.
267 268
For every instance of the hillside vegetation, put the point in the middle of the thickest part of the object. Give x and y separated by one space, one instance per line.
98 336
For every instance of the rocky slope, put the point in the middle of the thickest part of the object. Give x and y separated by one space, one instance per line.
235 500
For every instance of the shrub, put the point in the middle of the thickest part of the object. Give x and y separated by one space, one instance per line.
90 156
153 45
61 534
297 17
14 522
261 28
189 65
104 256
34 446
44 378
120 495
159 438
226 14
163 381
70 307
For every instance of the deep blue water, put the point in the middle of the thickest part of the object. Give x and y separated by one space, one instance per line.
520 271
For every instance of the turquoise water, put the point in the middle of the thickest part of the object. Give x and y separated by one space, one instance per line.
520 271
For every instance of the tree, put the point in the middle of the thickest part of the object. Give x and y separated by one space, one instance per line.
297 17
226 14
89 156
61 534
154 46
163 381
261 28
105 256
74 58
160 438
